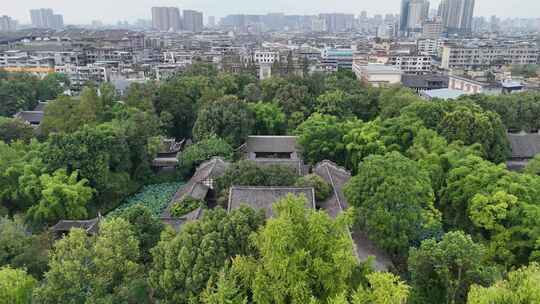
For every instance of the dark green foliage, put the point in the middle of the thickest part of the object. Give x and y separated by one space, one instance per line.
21 92
92 269
12 129
186 206
20 249
201 151
228 118
100 155
184 263
146 228
471 125
321 137
443 271
322 189
269 119
394 200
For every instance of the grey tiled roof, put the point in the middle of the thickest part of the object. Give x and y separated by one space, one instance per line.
264 197
32 117
196 188
524 145
271 144
336 177
90 226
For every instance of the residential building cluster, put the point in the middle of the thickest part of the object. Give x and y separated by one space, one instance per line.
425 49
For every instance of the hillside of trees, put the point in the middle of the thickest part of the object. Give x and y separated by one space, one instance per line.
429 186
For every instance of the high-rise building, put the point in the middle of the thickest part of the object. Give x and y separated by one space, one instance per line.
193 21
166 18
338 22
45 18
413 15
457 15
7 24
211 21
432 29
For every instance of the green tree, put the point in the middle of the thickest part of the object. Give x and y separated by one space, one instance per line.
363 141
52 86
443 271
201 151
269 119
178 98
87 269
385 288
471 125
101 154
321 137
12 129
146 228
228 118
394 200
224 289
334 103
322 189
393 100
183 264
16 286
533 166
63 196
20 249
294 98
521 287
303 254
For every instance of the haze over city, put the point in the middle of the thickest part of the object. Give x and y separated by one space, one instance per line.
78 12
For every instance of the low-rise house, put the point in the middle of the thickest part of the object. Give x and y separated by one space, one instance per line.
427 82
201 184
33 118
167 157
275 150
525 146
63 227
262 198
337 177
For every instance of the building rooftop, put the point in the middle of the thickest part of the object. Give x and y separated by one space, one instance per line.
524 145
271 144
264 197
443 94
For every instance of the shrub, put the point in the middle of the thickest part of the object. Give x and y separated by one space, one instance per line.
322 188
186 206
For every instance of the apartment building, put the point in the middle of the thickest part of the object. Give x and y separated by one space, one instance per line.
412 64
496 54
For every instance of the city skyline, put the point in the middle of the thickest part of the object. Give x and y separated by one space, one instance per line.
109 12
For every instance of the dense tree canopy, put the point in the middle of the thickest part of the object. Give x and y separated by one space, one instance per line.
228 117
303 254
443 271
183 263
520 287
87 269
15 286
395 201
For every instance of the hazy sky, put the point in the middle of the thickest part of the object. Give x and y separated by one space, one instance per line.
83 11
